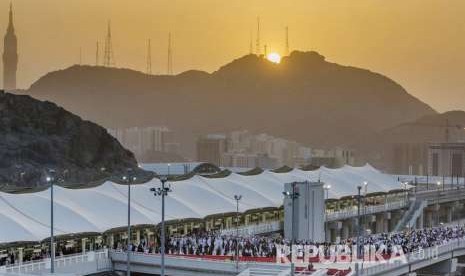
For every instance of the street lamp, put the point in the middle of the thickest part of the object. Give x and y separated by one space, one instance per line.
237 198
50 181
326 187
129 179
364 202
438 195
163 191
359 228
293 195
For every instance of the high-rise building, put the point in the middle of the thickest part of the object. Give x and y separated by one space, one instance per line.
10 55
144 142
447 159
211 148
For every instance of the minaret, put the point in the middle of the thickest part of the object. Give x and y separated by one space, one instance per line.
10 55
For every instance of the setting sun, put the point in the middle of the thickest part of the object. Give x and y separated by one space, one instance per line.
274 57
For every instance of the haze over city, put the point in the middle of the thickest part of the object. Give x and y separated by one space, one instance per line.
417 43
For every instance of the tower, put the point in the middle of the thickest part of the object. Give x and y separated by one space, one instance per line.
10 55
287 41
97 57
108 58
169 69
251 44
257 43
148 68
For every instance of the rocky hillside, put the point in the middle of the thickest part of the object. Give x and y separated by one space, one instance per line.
39 138
304 98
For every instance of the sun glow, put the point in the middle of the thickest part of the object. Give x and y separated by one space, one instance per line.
274 57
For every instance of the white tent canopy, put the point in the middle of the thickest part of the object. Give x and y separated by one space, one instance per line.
26 217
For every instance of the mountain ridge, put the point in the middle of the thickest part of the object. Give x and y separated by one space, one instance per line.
304 98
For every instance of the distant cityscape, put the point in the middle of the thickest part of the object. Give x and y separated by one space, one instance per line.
240 149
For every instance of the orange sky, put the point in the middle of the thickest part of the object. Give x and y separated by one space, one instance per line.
418 43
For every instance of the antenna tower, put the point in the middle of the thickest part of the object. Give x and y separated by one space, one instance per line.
169 69
287 41
251 44
257 45
149 59
108 58
96 54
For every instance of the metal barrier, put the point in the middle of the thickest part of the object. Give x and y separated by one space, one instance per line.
100 258
427 254
349 213
250 230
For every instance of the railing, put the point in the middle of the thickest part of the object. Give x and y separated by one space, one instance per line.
250 230
425 254
99 257
349 213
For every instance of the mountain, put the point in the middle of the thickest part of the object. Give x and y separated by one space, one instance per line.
429 128
39 139
304 98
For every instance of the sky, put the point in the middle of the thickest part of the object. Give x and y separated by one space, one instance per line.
418 43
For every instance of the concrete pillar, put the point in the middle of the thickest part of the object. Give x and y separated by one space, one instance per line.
20 255
429 218
83 245
138 237
112 241
185 229
420 221
264 217
387 219
345 232
246 220
449 212
379 223
328 234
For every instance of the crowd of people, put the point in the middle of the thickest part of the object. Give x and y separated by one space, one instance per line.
215 244
270 246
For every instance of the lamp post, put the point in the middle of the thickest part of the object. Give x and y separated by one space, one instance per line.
50 180
237 198
438 195
359 228
326 187
293 195
129 180
364 203
163 191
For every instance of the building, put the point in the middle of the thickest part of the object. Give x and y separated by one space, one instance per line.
211 148
145 142
446 159
10 55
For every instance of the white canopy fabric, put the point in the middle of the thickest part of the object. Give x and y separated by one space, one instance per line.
26 217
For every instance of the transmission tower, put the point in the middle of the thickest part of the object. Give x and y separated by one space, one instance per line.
108 58
169 69
287 41
251 43
257 45
148 68
97 54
